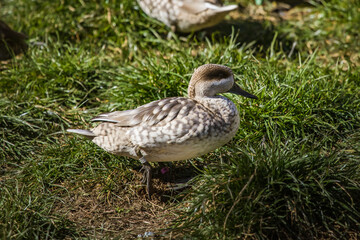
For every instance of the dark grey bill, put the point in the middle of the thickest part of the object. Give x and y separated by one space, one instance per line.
237 90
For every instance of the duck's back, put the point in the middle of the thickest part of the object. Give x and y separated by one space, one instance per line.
170 129
186 15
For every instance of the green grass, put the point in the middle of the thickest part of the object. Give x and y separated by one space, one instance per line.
292 171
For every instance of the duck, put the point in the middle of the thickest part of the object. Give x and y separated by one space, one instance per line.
11 42
173 128
186 15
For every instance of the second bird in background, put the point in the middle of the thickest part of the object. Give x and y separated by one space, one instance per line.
11 42
186 15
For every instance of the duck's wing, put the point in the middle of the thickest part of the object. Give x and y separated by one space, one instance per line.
150 114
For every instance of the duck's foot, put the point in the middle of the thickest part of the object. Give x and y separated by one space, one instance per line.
146 168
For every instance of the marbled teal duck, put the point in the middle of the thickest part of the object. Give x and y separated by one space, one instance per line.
174 128
186 15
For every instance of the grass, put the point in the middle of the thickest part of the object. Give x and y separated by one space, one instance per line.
291 172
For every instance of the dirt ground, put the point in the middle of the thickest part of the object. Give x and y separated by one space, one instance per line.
124 211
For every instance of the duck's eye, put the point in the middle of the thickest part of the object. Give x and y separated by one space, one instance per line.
221 75
216 75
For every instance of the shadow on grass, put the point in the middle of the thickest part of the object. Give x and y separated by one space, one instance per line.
170 180
249 32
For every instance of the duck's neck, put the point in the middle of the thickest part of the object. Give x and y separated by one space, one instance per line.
220 105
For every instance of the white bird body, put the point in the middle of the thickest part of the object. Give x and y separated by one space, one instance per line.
186 15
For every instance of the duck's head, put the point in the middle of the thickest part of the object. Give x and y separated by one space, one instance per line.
211 79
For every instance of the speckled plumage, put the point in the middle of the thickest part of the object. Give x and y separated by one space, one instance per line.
186 15
175 128
172 129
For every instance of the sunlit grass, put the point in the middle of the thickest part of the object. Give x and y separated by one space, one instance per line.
292 171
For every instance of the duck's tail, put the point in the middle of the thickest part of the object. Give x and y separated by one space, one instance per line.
86 133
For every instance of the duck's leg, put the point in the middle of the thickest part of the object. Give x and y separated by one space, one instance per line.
147 174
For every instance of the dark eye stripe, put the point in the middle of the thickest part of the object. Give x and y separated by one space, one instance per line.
216 75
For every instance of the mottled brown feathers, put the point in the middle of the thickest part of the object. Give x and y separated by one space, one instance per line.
150 114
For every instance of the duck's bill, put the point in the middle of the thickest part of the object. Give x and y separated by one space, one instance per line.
237 90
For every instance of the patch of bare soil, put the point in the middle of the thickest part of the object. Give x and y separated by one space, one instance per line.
122 211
